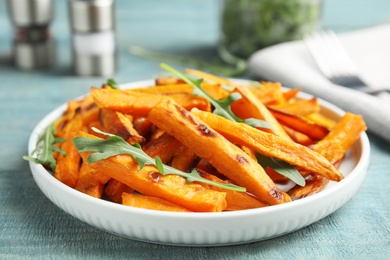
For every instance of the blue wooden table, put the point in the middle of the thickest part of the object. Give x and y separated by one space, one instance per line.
32 227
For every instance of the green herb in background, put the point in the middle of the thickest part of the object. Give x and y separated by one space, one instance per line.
250 25
115 145
45 147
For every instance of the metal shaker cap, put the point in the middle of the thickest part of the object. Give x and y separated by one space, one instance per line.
91 16
29 13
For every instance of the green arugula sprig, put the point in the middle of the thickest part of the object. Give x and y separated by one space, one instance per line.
221 107
112 83
45 148
115 145
282 168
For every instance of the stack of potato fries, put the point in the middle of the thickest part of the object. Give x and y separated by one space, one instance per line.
184 130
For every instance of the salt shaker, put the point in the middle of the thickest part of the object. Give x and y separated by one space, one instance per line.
92 25
33 45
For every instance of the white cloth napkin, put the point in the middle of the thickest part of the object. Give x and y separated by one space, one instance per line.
292 64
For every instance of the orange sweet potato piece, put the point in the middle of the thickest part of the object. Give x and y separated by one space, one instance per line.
320 119
184 160
223 155
333 147
252 107
114 190
345 133
291 93
235 200
270 145
166 89
165 147
314 184
150 182
302 107
67 169
168 81
148 202
143 126
269 93
140 104
118 124
298 137
90 182
301 124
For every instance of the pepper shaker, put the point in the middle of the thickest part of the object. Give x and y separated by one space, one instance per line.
92 25
33 47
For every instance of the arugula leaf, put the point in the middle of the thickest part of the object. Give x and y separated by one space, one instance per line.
45 148
282 168
112 83
221 107
115 145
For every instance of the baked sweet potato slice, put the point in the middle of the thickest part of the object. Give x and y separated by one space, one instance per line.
270 145
118 124
140 104
165 146
90 182
184 160
300 124
345 133
165 89
235 200
314 184
67 169
252 107
148 202
302 107
269 93
150 182
114 190
222 154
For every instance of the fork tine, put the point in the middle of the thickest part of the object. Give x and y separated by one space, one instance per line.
340 52
314 44
332 58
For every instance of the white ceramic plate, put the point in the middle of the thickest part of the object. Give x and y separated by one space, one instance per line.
204 229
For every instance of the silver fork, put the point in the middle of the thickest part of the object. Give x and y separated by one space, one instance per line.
334 62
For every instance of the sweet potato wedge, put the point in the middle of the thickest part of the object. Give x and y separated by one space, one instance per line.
314 184
148 202
165 147
270 145
269 93
223 155
67 169
301 124
252 107
150 182
300 107
184 160
118 124
235 200
345 133
114 190
90 182
140 104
